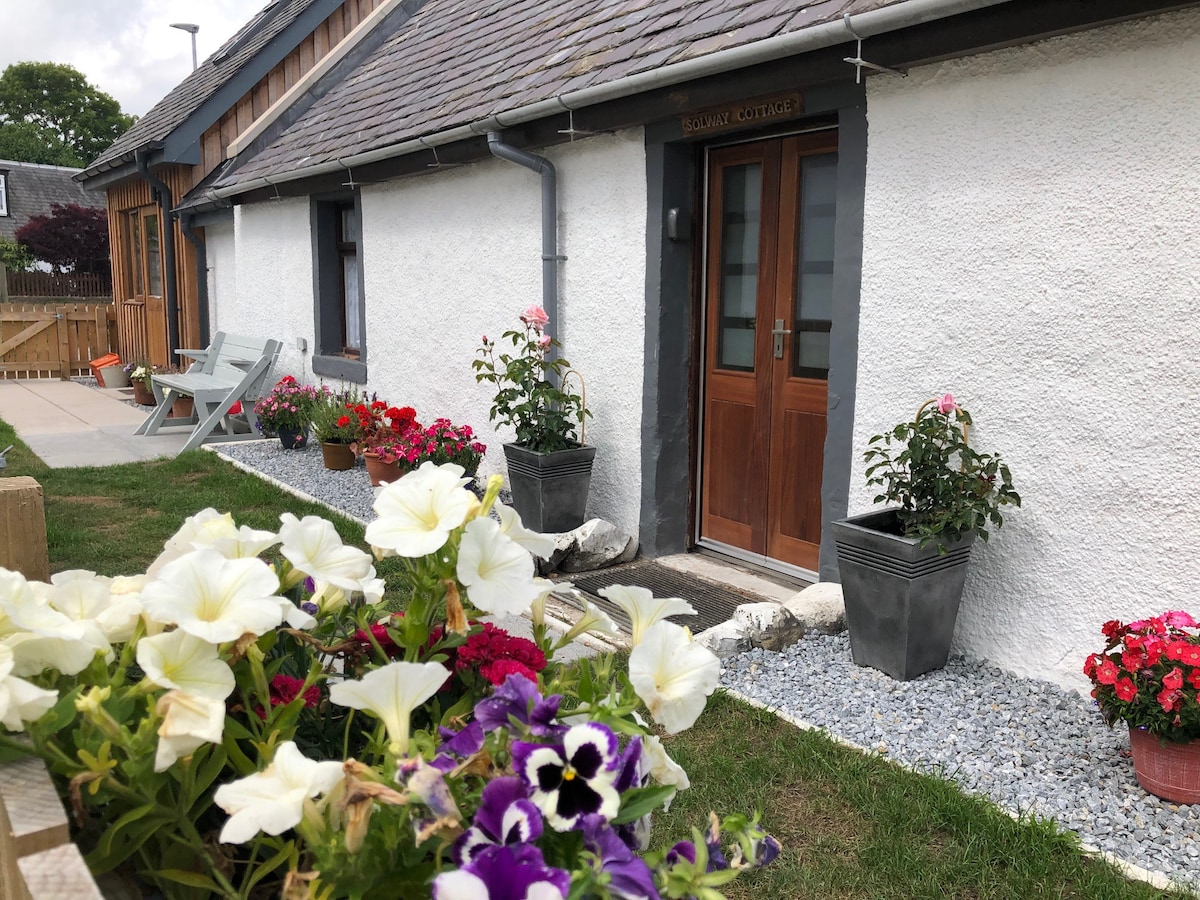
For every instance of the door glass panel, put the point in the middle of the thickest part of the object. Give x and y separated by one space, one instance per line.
153 256
814 280
352 311
741 205
135 254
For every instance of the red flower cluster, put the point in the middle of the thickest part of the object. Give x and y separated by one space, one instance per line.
381 427
440 443
497 654
1149 675
284 689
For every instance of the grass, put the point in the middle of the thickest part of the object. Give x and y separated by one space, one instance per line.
852 826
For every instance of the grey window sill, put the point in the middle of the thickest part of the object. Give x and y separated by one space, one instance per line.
340 367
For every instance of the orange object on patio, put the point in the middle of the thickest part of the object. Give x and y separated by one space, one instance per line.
109 359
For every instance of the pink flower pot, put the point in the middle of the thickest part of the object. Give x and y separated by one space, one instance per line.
1167 769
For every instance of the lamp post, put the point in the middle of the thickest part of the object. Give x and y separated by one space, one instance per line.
190 29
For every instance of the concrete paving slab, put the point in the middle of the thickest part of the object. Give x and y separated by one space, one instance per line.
70 425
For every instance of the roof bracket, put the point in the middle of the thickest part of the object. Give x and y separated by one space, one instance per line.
352 184
437 163
571 130
858 62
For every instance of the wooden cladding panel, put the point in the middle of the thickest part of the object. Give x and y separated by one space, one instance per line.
276 83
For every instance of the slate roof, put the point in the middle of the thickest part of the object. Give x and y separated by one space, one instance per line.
33 188
459 61
191 93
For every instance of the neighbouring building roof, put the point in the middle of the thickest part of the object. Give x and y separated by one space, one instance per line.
455 62
202 84
32 189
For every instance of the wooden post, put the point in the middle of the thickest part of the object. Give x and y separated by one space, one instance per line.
3 282
23 528
64 344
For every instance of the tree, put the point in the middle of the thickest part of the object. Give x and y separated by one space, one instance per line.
72 238
14 257
50 114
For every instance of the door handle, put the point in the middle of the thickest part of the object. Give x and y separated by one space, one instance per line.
779 331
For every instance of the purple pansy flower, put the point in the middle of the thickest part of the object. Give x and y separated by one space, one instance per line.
461 744
684 851
505 816
573 780
629 876
633 773
519 697
504 873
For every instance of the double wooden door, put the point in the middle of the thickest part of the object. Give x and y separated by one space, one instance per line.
768 308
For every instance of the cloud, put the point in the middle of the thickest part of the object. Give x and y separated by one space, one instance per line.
126 48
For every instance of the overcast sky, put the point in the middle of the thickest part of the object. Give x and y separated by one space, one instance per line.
126 48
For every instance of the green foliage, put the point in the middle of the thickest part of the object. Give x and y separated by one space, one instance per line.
332 418
13 256
530 392
50 114
944 487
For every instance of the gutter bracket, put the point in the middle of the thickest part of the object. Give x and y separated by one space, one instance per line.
571 130
859 63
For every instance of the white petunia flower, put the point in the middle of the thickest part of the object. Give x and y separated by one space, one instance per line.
418 512
272 801
540 545
497 573
312 546
643 608
245 543
215 598
184 662
85 596
188 723
661 767
40 636
392 692
673 675
20 701
203 529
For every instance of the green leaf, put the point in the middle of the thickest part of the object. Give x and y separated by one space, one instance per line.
638 802
191 879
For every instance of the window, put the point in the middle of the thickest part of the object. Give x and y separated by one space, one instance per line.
3 193
340 350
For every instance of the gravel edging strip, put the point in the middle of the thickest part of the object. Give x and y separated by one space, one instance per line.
1026 745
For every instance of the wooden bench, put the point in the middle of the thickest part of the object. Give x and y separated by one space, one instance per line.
234 369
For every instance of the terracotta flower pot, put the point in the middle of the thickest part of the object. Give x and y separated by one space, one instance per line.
1167 769
143 395
381 472
338 457
182 408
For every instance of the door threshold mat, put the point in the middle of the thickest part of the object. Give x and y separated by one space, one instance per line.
714 603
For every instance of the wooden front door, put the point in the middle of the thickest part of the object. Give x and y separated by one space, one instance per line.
768 308
143 264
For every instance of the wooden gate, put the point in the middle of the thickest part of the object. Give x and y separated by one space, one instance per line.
39 340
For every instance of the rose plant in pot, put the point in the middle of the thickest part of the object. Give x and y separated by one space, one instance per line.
1148 676
903 567
549 464
285 411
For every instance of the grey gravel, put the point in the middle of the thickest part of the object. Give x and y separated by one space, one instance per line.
1028 745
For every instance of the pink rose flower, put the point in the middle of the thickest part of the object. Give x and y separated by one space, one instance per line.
535 316
946 404
544 341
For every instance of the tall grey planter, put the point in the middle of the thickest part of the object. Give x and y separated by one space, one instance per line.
550 490
901 599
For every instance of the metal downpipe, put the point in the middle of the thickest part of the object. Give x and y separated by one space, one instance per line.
550 257
185 225
165 204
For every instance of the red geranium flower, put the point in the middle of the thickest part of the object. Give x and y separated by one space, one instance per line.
1194 678
497 671
1169 700
343 421
1182 651
1173 680
1107 671
1112 629
285 689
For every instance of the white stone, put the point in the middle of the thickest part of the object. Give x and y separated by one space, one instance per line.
819 607
725 640
597 545
768 625
564 543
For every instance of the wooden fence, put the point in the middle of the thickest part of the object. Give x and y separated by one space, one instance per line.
54 341
52 285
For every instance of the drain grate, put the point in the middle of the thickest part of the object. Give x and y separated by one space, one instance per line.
714 603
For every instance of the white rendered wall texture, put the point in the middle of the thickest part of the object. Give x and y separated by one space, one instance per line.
274 280
1032 244
451 256
222 273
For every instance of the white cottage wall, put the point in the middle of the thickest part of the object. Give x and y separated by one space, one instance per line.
220 251
453 255
1032 243
274 279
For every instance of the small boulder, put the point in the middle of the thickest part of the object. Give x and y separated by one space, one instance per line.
768 625
820 607
564 543
725 640
598 545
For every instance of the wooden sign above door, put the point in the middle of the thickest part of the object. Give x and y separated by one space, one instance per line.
744 114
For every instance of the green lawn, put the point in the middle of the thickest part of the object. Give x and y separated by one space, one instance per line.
852 826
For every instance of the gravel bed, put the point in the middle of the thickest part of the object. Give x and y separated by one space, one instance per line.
1025 744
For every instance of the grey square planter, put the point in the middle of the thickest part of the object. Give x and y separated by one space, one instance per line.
550 490
901 599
